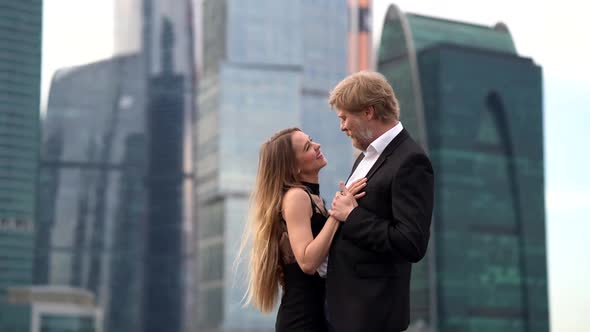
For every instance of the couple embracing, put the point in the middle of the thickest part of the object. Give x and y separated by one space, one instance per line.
343 267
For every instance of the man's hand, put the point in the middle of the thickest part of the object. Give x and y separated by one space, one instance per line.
344 200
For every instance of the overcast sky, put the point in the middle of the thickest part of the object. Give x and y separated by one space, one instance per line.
554 33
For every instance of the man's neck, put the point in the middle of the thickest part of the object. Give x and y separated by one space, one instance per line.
381 128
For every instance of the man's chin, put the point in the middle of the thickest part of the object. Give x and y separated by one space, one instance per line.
357 145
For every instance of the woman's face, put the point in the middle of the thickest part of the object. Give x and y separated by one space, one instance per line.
308 154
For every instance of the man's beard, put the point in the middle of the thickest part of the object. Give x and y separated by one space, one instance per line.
363 138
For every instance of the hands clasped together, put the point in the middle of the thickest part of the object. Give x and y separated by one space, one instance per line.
345 200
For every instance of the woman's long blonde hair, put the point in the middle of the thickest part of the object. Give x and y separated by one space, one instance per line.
277 171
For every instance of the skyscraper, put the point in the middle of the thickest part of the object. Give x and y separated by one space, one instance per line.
168 256
476 106
117 176
267 65
92 200
20 79
360 46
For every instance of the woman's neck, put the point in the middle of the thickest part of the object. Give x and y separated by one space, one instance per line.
309 178
313 188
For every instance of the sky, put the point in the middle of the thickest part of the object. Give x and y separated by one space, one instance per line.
553 33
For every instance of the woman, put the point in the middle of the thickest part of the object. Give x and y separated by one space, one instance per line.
291 231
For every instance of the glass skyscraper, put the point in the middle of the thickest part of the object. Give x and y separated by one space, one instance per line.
476 106
117 174
266 65
92 195
20 79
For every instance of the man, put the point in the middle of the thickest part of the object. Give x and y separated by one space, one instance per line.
368 281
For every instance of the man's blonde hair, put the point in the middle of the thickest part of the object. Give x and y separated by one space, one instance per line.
361 90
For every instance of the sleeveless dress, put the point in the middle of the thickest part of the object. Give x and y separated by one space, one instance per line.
302 303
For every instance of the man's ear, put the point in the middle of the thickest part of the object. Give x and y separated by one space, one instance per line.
369 113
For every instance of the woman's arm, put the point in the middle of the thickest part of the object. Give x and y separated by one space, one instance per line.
297 212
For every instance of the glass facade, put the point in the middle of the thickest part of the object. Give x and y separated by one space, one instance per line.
51 323
20 78
267 65
477 108
92 197
116 181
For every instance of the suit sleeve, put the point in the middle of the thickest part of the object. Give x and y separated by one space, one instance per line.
404 237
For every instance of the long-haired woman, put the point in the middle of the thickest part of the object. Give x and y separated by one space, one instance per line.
290 231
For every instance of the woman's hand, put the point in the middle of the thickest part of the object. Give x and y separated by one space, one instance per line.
345 199
355 187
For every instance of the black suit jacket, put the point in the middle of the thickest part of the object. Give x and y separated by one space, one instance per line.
368 282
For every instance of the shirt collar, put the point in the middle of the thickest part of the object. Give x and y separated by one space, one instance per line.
379 144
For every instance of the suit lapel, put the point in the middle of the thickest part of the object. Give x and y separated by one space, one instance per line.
402 136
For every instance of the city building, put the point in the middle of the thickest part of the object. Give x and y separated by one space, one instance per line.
163 34
360 36
116 203
476 106
92 198
20 80
266 65
57 309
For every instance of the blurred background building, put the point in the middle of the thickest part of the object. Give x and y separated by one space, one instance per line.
57 309
476 106
20 79
116 175
267 65
92 198
360 35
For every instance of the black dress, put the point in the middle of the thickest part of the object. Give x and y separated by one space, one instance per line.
302 304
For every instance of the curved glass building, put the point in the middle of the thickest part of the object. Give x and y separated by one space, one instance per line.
476 106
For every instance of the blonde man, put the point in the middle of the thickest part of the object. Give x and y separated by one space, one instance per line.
368 271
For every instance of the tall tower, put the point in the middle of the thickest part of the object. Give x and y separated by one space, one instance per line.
117 174
92 197
165 262
267 65
360 50
476 106
20 79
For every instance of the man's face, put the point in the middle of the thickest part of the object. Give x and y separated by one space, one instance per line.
356 126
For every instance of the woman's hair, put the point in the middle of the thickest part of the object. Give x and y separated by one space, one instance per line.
363 89
277 171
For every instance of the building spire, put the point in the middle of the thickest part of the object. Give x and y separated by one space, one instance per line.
167 40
